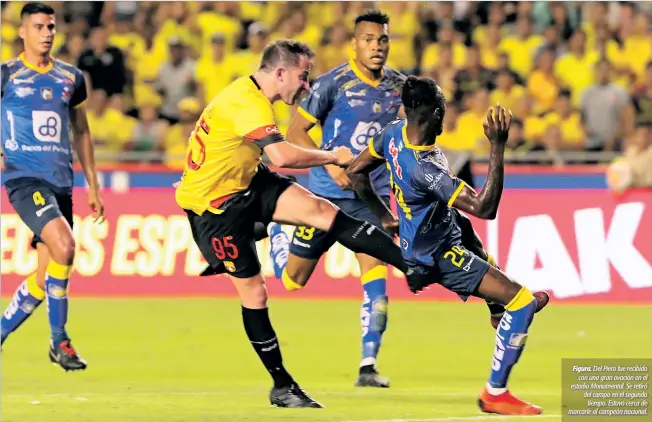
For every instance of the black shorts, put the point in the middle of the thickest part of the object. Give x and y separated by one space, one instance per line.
229 237
312 243
38 202
455 268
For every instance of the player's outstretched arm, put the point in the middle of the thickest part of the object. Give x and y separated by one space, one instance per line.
287 155
485 204
358 173
85 149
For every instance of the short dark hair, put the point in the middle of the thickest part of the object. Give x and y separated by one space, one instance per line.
422 91
565 93
36 8
373 16
284 51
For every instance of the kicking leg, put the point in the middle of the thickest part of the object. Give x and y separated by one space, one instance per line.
28 296
511 335
373 317
297 206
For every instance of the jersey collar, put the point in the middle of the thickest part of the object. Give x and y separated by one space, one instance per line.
408 145
35 68
356 70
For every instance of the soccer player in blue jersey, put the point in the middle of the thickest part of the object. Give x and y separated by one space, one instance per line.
352 103
42 107
430 236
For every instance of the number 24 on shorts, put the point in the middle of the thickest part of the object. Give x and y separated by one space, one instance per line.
224 249
456 255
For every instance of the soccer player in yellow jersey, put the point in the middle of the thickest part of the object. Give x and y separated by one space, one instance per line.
225 190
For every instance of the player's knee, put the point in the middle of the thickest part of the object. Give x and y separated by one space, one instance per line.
253 292
63 251
297 274
324 214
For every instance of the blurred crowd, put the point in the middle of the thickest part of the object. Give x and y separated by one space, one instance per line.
576 75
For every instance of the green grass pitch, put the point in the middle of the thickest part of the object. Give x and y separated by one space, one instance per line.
164 360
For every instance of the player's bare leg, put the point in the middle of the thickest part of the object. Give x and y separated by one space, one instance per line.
299 207
373 318
472 242
57 236
28 296
511 335
253 296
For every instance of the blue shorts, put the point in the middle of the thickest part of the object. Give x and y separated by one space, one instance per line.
312 243
38 202
455 268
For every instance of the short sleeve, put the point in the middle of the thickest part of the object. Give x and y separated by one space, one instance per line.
255 122
79 95
438 183
377 144
4 71
319 101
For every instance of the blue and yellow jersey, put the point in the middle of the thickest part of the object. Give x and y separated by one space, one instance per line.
424 189
351 110
36 103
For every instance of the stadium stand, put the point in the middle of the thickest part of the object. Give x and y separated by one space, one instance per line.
577 76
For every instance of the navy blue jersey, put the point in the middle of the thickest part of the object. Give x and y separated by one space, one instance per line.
351 110
424 189
36 103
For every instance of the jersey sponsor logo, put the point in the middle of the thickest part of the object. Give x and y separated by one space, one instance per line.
40 212
377 107
393 151
362 133
46 125
435 181
261 132
67 94
24 91
23 81
356 103
361 93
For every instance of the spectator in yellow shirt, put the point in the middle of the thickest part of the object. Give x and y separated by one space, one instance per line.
543 85
246 62
111 129
444 70
522 46
450 139
490 47
575 69
337 51
469 125
564 126
507 93
176 137
446 36
472 77
214 70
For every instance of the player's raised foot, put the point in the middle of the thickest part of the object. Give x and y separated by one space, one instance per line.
506 404
292 396
542 300
369 377
64 355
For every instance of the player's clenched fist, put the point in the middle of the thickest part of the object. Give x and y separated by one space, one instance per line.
344 156
496 125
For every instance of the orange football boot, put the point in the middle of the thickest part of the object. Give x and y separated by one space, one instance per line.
506 404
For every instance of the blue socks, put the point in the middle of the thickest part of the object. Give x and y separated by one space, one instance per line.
373 314
27 297
56 286
511 336
279 248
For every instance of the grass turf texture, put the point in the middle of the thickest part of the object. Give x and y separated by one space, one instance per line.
166 360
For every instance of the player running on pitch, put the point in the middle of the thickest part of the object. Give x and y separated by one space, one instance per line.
225 190
41 97
352 102
430 236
